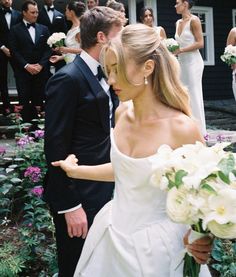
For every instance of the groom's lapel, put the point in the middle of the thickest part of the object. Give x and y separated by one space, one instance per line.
97 91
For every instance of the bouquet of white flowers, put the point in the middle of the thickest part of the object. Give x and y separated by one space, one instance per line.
201 190
56 40
229 55
171 44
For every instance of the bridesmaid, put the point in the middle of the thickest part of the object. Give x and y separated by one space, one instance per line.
74 11
190 38
232 40
147 18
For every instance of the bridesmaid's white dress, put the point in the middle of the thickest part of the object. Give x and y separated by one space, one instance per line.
192 66
234 83
132 236
71 41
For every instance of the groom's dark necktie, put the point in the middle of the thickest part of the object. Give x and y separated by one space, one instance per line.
6 10
100 73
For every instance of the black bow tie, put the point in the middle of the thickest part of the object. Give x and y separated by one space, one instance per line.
6 10
100 73
50 9
30 25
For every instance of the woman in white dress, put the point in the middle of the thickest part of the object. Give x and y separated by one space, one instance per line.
232 40
190 38
74 10
132 235
147 18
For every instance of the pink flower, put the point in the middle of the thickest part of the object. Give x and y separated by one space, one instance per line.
33 173
38 191
39 134
24 141
2 150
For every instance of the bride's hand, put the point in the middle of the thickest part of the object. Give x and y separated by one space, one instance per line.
69 165
200 248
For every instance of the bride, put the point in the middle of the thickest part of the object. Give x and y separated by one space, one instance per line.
132 235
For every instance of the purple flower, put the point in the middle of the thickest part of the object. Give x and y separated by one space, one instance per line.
33 173
2 150
39 134
206 137
24 140
220 138
38 191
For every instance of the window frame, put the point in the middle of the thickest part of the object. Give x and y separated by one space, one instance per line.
209 33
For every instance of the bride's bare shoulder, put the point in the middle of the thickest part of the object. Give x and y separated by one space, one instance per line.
186 130
122 109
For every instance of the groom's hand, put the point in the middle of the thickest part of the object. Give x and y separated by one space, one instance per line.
77 224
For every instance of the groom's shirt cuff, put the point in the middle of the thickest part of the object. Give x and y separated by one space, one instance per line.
70 210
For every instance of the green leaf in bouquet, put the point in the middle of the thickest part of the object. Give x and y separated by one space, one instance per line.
208 188
179 177
224 177
169 176
226 165
217 255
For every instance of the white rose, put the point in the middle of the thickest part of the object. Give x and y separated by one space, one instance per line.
177 206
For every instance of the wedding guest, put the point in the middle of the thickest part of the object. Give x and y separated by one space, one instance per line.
190 38
132 235
147 18
78 115
92 3
55 21
74 11
118 6
28 45
8 18
231 39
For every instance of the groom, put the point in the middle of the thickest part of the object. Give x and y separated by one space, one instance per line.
79 113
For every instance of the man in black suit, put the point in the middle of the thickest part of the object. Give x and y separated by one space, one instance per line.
8 18
28 44
79 113
55 21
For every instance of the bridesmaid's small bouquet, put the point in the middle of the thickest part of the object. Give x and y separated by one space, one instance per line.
171 44
56 40
229 55
201 191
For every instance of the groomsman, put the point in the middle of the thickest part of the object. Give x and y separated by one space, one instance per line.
92 3
28 44
55 21
79 113
8 18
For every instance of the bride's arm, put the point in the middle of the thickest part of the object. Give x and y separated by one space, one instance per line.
103 172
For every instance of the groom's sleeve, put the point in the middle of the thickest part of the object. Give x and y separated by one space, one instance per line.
60 109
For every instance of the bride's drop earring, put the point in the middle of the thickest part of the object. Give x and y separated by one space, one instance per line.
145 81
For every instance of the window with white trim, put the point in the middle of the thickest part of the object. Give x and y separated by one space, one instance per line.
234 17
206 16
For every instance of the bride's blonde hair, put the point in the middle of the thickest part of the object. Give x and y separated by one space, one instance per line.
141 43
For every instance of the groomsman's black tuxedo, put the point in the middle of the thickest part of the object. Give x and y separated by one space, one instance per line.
77 121
4 41
25 51
58 24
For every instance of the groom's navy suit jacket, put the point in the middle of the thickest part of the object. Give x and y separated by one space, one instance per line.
77 121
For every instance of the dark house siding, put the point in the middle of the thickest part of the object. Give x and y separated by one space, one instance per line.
216 79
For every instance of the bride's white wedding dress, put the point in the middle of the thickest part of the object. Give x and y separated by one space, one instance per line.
132 235
192 66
